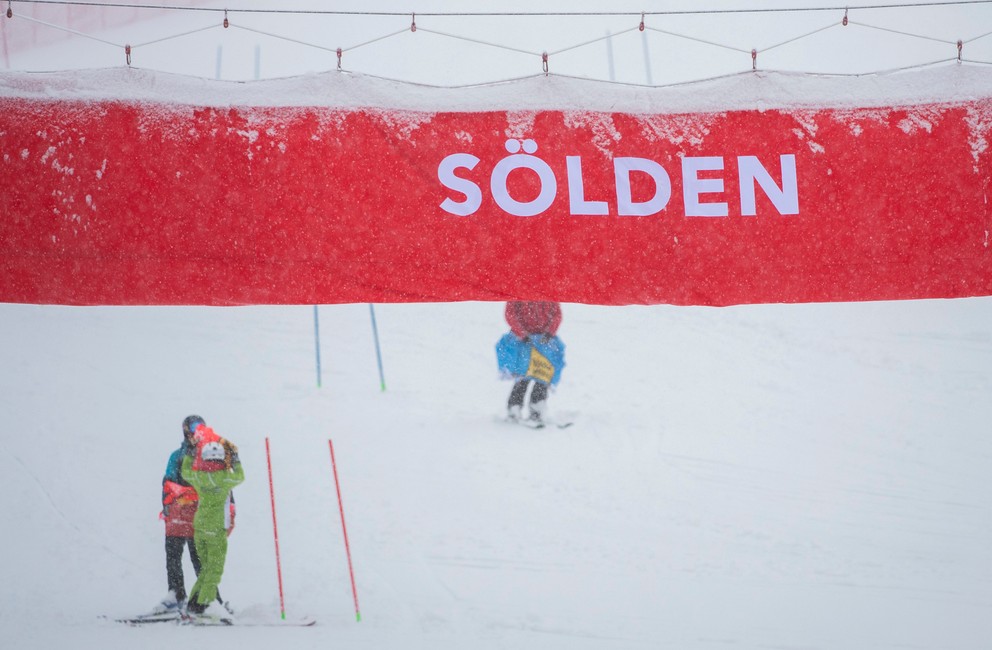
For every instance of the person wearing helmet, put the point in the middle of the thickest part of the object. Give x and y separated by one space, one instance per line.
533 324
213 468
179 502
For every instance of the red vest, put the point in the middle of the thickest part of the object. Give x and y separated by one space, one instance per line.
179 506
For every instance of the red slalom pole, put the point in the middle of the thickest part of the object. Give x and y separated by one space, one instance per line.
344 528
275 531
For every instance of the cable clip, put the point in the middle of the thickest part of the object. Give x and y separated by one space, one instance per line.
413 23
226 22
960 47
754 59
641 26
844 22
10 12
339 58
544 62
127 53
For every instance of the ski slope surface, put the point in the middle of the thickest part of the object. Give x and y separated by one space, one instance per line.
777 476
812 476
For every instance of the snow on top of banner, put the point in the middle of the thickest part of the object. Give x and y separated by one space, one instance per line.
134 187
758 90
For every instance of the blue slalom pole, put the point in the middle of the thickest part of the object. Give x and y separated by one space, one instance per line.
316 340
378 353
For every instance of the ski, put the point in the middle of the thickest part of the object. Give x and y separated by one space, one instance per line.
146 619
201 621
531 424
301 622
231 622
206 621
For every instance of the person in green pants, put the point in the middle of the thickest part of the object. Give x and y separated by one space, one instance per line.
213 469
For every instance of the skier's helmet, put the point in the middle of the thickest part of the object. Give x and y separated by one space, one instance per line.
190 424
213 451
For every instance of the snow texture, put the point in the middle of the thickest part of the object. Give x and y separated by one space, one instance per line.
403 107
952 83
793 476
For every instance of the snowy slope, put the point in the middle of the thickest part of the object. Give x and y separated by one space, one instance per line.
768 476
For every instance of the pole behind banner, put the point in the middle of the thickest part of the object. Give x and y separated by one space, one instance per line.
344 529
316 341
275 531
378 352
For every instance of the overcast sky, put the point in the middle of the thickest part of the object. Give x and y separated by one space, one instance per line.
457 50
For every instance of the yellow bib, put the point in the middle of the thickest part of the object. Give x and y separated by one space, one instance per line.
540 367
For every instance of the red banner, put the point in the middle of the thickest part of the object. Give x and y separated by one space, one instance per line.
136 202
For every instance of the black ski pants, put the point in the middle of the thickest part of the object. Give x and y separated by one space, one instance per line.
538 394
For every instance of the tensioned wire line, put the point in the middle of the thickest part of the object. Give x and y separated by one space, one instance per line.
671 12
545 55
490 44
111 43
902 33
70 31
972 40
476 41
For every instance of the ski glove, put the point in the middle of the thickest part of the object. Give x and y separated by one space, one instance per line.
231 454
